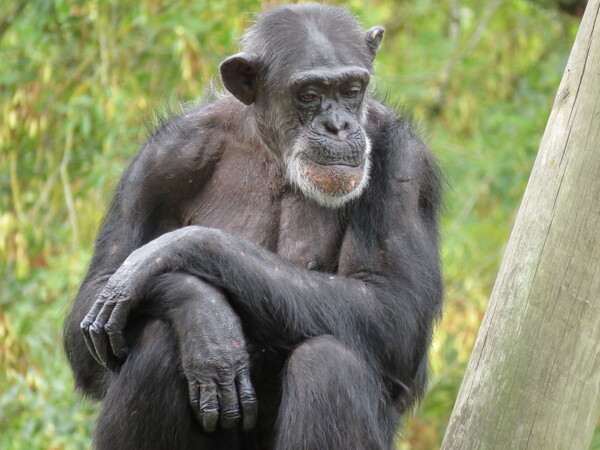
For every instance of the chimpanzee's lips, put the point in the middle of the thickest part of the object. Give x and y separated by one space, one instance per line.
333 179
341 164
339 159
334 152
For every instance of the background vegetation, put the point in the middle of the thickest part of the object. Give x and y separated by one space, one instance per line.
80 78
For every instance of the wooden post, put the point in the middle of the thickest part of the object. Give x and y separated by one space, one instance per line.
533 381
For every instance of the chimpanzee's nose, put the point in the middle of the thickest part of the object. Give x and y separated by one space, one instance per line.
334 123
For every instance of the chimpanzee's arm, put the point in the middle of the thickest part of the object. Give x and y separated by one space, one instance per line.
138 213
382 301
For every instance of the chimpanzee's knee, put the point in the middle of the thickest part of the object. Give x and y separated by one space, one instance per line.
330 399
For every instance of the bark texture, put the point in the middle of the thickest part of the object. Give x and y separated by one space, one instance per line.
533 380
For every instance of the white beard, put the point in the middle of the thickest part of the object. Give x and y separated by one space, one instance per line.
298 179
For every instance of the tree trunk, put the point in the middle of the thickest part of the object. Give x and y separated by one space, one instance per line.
533 380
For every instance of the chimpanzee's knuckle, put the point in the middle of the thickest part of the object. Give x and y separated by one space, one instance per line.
247 397
104 293
232 414
111 327
225 374
94 329
209 407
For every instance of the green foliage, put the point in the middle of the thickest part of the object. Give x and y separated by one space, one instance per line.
80 77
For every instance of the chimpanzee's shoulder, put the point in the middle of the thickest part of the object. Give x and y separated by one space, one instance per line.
395 141
385 122
188 140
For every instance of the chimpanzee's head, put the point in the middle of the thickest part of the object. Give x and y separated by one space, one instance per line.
305 70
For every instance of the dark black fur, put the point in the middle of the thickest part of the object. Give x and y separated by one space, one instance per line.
219 284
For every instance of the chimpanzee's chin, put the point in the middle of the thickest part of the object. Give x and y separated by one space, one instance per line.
331 185
333 180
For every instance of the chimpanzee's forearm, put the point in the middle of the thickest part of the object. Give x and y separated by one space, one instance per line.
284 300
284 303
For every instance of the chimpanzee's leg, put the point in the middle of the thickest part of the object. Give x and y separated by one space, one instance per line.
331 399
147 404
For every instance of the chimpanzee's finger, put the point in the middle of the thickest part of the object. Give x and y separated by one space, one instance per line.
87 321
116 340
99 334
100 343
88 342
247 400
209 406
194 394
91 315
230 408
114 329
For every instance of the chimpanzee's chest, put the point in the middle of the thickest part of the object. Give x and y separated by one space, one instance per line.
309 235
252 200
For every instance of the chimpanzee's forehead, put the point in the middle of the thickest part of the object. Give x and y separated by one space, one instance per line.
320 54
322 49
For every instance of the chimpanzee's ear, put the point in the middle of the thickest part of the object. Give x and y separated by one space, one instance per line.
239 74
373 38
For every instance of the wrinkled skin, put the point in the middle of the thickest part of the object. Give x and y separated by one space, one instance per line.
267 275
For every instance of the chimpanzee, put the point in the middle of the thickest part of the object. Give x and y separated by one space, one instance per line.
267 275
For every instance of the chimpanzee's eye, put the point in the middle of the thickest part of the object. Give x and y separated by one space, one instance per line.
308 97
351 92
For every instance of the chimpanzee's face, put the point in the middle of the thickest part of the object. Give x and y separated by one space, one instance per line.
326 151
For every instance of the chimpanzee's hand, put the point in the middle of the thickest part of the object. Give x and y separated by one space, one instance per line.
215 361
102 329
103 326
211 341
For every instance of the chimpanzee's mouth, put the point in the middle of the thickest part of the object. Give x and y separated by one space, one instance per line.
335 153
330 174
338 163
333 178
